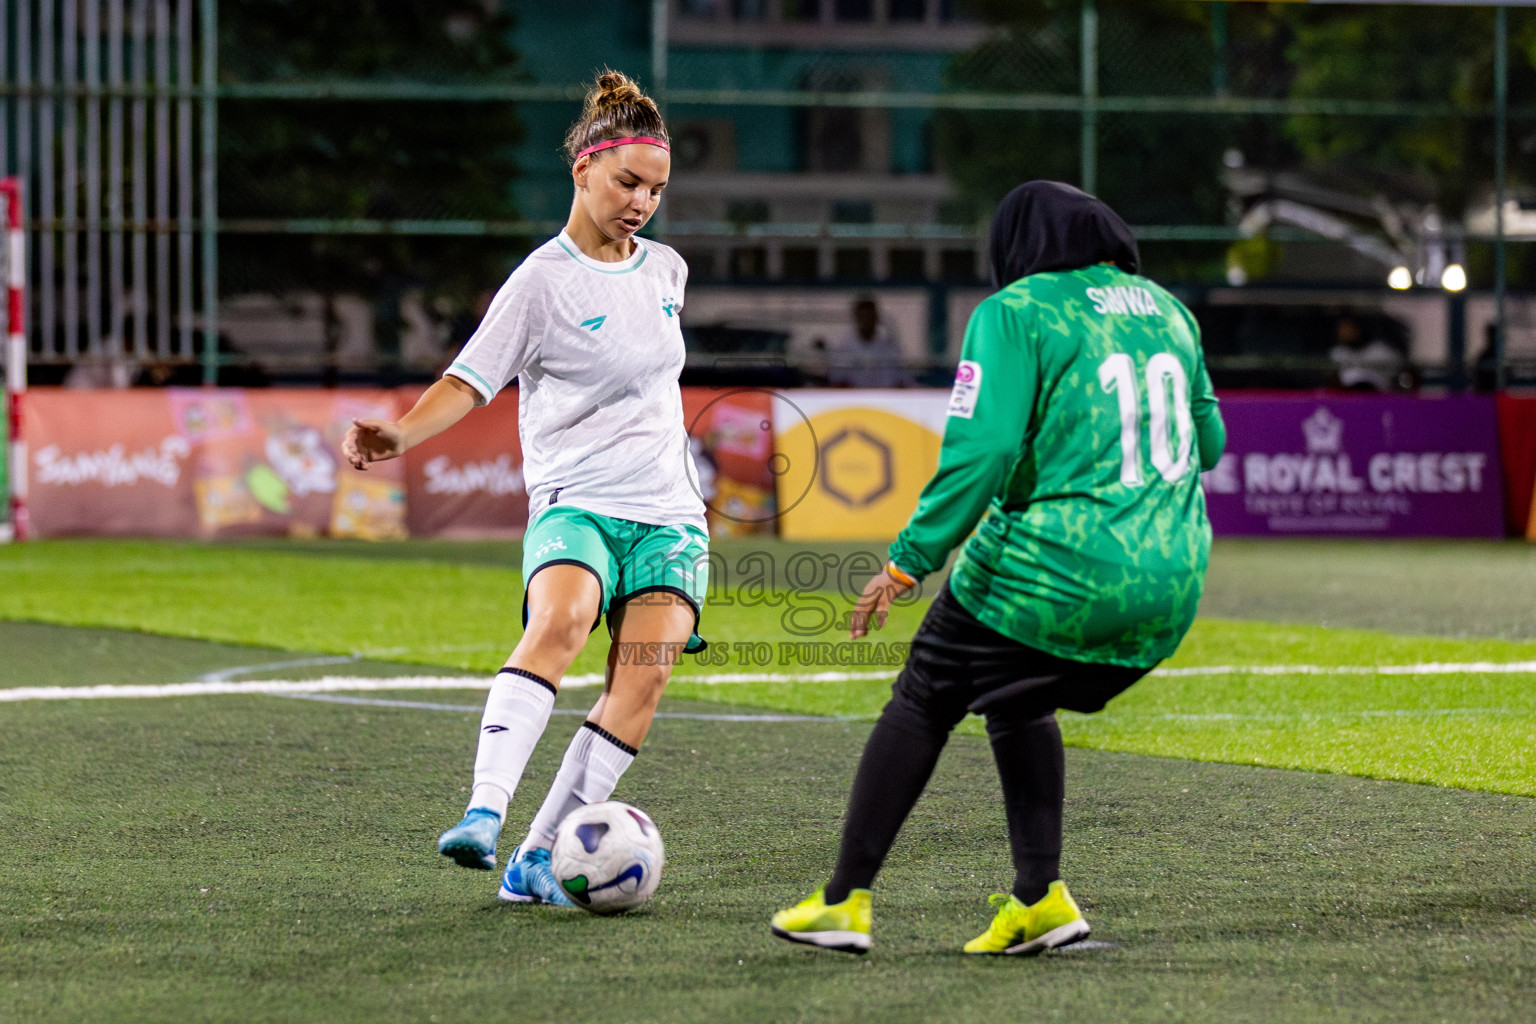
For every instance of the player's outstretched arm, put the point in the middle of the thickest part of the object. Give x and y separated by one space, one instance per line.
444 404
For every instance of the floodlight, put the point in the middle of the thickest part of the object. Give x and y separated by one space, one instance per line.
1401 279
1454 279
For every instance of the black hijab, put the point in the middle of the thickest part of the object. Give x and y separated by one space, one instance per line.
1045 225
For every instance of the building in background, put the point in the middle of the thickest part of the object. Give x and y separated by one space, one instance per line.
327 195
774 192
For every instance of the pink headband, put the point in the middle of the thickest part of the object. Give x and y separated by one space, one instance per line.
624 142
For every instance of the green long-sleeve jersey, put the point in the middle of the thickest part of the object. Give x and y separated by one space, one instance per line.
1081 418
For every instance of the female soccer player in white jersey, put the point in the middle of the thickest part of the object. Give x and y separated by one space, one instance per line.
588 324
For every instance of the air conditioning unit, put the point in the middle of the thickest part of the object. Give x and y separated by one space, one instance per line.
704 144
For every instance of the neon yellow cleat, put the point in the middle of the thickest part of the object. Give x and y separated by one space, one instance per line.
842 926
1018 930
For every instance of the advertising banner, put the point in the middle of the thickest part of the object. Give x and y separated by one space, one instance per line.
216 462
813 464
268 462
731 433
109 462
207 462
854 462
1517 445
468 481
1369 465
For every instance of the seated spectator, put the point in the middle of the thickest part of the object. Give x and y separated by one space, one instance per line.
1364 363
866 355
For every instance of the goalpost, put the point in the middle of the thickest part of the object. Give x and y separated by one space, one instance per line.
14 459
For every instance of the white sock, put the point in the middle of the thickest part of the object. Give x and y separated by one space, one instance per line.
516 713
593 764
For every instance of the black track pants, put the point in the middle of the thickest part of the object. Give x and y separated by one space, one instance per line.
959 665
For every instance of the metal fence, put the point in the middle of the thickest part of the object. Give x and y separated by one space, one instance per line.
110 114
109 119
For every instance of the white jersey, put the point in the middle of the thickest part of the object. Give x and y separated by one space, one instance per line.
597 348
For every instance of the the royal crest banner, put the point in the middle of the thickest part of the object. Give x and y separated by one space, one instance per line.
1362 466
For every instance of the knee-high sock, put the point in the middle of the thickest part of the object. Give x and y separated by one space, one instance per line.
516 712
1032 765
897 763
590 772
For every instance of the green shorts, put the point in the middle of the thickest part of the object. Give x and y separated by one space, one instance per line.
628 558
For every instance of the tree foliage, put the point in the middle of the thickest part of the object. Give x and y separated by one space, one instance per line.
1408 54
1150 167
303 158
1168 168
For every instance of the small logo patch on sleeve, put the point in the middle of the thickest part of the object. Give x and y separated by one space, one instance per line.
962 400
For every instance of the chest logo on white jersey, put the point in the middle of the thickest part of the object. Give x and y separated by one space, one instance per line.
671 307
595 322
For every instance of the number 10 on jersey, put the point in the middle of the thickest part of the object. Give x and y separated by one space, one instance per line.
1167 386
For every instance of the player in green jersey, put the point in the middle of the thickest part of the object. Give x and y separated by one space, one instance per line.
1081 417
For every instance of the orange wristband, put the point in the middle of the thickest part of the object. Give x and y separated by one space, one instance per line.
895 572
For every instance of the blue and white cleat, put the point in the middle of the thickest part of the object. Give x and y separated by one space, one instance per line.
529 879
472 842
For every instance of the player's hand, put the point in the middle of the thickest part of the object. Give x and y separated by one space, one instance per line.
874 603
372 441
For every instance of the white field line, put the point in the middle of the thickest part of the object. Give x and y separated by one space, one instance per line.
339 684
1433 668
224 675
1110 718
333 684
326 684
374 702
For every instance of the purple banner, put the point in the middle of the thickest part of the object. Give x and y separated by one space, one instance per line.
1367 465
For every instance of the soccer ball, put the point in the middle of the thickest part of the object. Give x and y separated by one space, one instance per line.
607 857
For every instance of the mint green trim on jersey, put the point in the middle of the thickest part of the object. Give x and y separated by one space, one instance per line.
628 559
1075 458
461 368
644 252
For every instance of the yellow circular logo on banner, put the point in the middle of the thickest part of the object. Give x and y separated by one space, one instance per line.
869 466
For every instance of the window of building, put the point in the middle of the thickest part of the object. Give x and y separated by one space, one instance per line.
906 264
749 263
698 8
853 211
704 144
701 263
854 10
800 264
836 141
748 211
842 140
852 264
958 266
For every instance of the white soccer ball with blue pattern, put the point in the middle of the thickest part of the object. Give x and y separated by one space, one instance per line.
607 857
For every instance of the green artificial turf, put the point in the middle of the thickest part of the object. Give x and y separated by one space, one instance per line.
417 609
41 654
257 859
429 603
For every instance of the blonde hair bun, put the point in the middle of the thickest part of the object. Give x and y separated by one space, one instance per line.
615 108
615 87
